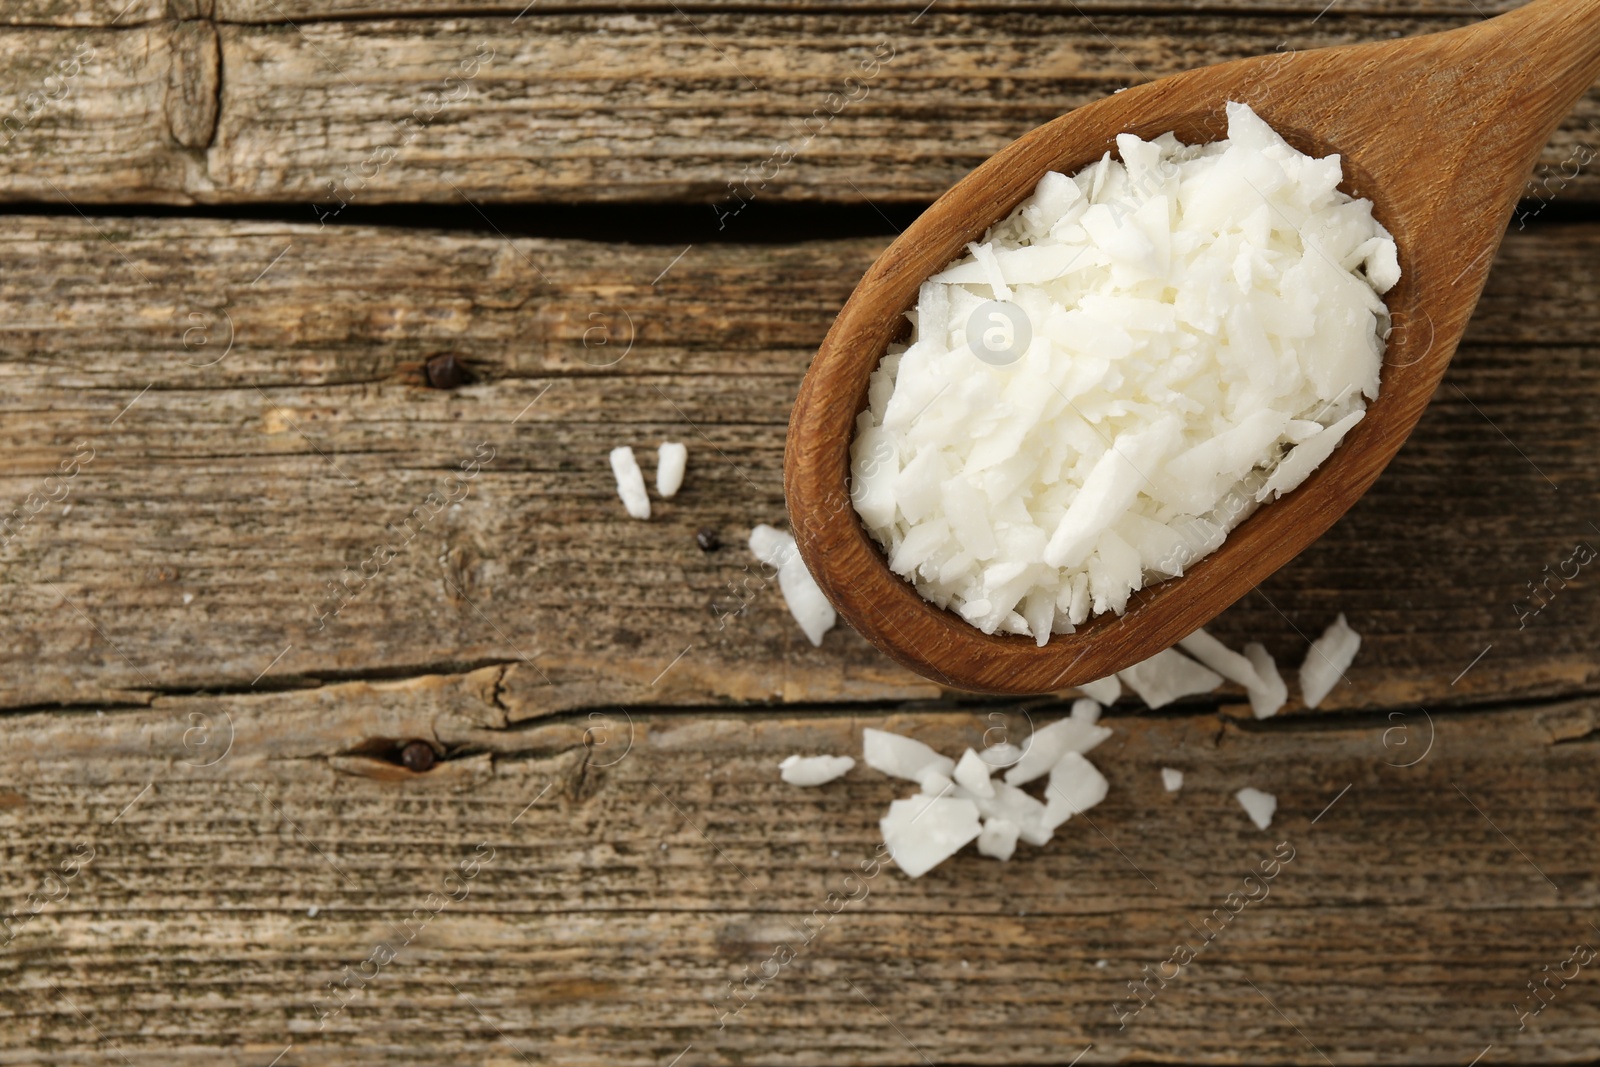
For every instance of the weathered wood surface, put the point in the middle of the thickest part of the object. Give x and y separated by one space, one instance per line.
134 12
89 13
624 885
267 11
225 490
647 105
172 703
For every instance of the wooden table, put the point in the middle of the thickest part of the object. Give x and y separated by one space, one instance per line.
240 230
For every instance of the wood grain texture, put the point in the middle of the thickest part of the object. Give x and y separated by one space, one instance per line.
268 11
102 13
124 13
652 106
242 409
194 83
85 113
624 881
194 550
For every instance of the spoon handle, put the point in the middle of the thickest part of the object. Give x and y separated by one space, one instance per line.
1550 47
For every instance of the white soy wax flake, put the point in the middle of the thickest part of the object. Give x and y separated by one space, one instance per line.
809 771
1117 374
1274 692
1167 676
1086 710
972 774
1258 805
1001 755
1076 785
1103 691
630 482
1048 744
1253 668
922 831
671 460
998 839
1328 658
1013 804
770 545
802 595
902 757
1219 657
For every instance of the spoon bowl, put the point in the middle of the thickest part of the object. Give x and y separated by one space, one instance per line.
1439 132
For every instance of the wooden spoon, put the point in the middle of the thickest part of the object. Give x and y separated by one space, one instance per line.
1440 132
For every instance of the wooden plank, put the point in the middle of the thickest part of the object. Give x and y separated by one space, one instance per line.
652 106
194 502
126 13
615 900
104 13
85 113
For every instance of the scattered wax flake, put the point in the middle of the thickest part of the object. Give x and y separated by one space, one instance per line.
630 482
922 831
901 757
998 839
1330 656
1048 744
1076 785
815 770
801 594
972 774
1274 692
1086 710
1104 691
1167 676
1258 805
671 459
